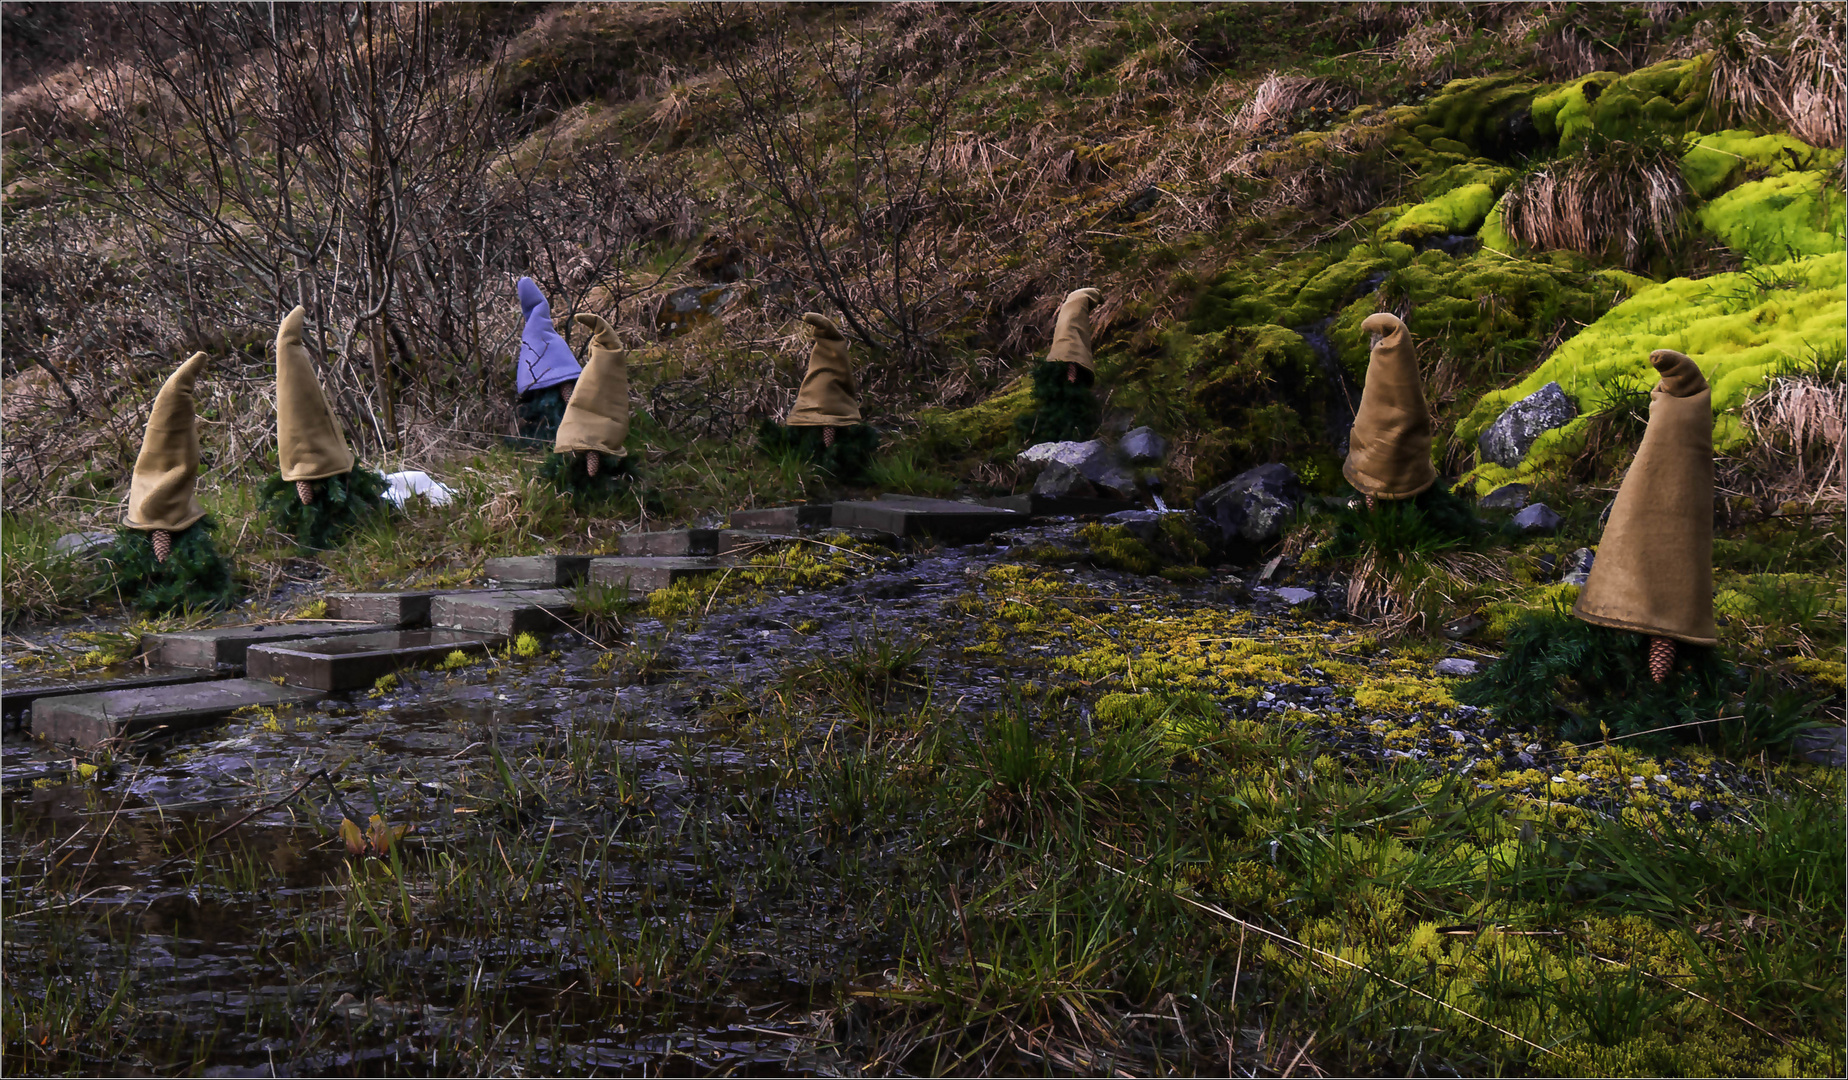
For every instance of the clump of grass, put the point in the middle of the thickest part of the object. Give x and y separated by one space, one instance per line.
602 609
1408 559
848 460
37 582
1621 200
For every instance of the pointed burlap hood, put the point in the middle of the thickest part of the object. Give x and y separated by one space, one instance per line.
1654 570
164 492
1389 449
597 416
828 396
1071 334
545 359
308 439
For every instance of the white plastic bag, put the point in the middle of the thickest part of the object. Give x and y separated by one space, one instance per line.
406 484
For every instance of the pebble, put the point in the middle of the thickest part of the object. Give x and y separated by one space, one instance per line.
1456 666
1294 597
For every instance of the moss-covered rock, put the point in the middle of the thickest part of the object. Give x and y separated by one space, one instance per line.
985 430
1460 210
1779 218
1739 327
1716 163
1665 98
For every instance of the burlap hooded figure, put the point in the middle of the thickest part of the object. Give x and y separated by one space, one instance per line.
828 395
163 495
308 440
597 416
1389 449
1071 334
1654 571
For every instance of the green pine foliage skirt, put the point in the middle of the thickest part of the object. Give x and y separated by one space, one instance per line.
341 504
615 477
847 460
194 577
537 415
1434 520
1063 410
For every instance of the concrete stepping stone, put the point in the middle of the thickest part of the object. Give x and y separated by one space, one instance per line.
691 543
16 697
785 519
358 660
402 609
645 574
538 571
93 719
1037 506
222 648
941 519
504 612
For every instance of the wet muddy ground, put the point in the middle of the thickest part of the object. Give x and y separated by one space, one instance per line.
667 852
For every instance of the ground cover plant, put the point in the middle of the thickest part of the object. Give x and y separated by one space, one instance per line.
1095 797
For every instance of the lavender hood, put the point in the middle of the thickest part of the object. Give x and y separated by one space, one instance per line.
545 360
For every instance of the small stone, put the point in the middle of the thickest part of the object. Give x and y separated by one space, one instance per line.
1701 811
1143 447
1293 597
1507 440
81 544
1506 497
1577 567
1526 760
1538 518
1456 666
1142 524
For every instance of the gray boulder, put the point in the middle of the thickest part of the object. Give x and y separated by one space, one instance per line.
1061 481
1456 667
1142 524
1143 447
1538 518
1252 506
1506 497
1577 568
1507 440
1093 461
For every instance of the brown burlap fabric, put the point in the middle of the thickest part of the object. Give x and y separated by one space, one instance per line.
164 491
308 439
1389 450
1654 570
828 397
597 413
1071 334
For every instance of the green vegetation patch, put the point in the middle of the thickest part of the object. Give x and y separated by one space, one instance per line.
341 504
195 576
1718 162
1665 98
1779 218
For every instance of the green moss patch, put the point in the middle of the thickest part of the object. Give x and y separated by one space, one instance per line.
1780 217
1665 98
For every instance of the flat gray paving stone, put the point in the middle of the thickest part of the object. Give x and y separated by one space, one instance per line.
358 660
402 609
941 519
93 719
222 648
17 696
785 518
1059 506
506 612
645 574
742 541
540 571
670 542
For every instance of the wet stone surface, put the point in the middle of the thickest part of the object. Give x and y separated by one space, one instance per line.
629 805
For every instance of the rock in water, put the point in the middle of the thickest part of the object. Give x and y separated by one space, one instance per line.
1507 440
1252 506
1141 524
1143 447
1506 497
1577 567
1059 481
1538 518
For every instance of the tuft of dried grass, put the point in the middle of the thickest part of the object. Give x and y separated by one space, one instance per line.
1622 199
1797 425
1279 97
1811 102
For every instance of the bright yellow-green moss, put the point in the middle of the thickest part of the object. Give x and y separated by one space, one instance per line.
1714 163
1740 327
1666 98
1460 210
980 429
1779 218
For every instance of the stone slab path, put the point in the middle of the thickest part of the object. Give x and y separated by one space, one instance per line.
937 519
222 648
93 719
355 661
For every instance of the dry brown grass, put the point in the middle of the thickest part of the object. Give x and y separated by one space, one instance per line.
1621 199
1797 439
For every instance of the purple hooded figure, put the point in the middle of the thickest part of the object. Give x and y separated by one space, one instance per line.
545 360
